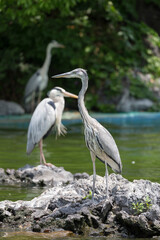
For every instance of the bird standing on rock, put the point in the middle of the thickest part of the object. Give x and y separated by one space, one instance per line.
39 80
98 140
47 115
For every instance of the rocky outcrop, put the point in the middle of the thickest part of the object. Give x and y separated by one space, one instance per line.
128 103
132 210
36 176
10 108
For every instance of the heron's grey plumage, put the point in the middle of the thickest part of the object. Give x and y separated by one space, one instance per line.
98 139
48 114
43 119
39 80
32 86
101 143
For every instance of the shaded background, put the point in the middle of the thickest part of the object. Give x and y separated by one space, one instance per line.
118 43
113 40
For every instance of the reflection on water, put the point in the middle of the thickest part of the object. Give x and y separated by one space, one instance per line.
50 236
42 236
139 150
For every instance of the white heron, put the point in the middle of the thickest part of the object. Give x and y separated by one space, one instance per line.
98 139
47 115
39 80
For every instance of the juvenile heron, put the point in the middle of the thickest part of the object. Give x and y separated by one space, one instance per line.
39 80
98 140
48 114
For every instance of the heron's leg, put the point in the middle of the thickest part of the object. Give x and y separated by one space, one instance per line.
41 152
106 175
93 157
33 102
39 97
42 158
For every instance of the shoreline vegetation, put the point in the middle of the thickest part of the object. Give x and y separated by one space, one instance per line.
115 41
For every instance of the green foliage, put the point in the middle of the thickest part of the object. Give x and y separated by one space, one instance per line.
89 195
105 37
136 89
140 207
106 108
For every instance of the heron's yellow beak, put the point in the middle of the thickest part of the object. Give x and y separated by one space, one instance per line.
63 75
68 94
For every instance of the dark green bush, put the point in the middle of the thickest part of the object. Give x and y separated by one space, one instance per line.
105 37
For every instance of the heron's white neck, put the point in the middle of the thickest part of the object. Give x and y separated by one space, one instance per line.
82 109
47 60
59 103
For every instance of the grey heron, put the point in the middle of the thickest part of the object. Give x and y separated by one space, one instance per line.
39 80
98 139
48 114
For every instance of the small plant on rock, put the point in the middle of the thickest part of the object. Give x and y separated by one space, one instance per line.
89 195
140 207
147 203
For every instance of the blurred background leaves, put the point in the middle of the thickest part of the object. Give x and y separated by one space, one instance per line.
111 39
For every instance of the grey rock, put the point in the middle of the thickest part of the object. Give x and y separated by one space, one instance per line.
36 176
66 206
25 167
81 175
106 208
40 213
10 108
36 228
2 174
128 103
75 223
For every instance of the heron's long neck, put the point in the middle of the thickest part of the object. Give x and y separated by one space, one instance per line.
59 109
83 111
47 61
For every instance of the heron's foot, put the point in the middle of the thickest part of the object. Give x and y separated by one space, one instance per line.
48 164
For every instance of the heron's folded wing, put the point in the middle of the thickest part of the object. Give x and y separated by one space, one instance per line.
33 83
41 122
108 145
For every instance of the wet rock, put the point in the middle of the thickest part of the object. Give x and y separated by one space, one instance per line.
10 108
35 176
132 210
